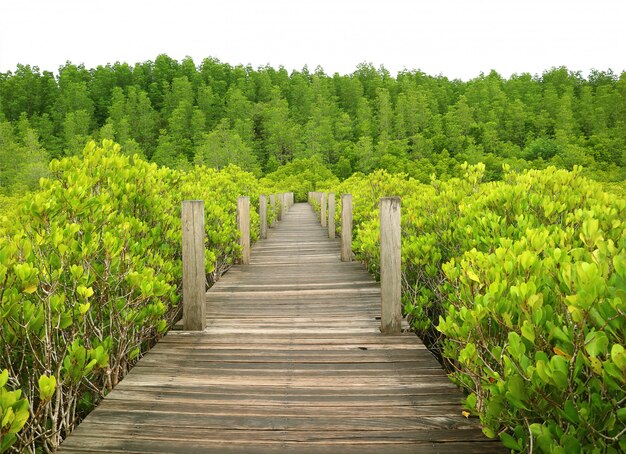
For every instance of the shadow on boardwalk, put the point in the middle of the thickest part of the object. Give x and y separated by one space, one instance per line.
291 361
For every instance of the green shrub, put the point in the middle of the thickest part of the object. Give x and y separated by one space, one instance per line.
520 285
91 273
13 413
300 176
536 313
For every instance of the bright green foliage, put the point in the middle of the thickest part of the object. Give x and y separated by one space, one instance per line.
222 147
412 123
22 159
521 286
13 413
91 272
300 176
220 190
536 312
6 203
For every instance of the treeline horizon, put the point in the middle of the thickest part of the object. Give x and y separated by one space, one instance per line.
179 113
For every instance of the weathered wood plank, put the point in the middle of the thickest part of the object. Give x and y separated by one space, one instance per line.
243 225
263 216
331 215
291 360
346 227
194 286
390 265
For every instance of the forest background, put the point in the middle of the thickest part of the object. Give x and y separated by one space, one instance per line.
179 113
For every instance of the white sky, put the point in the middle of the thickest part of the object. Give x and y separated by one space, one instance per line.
457 38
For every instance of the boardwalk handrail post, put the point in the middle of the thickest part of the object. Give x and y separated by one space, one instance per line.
390 265
323 209
243 225
194 277
285 206
263 216
273 205
331 215
279 203
346 227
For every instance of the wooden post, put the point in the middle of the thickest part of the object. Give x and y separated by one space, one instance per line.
346 228
292 199
285 205
390 265
331 215
263 215
194 278
243 225
323 209
273 205
279 202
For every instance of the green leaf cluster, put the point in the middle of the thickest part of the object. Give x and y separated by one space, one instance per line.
520 286
90 266
14 412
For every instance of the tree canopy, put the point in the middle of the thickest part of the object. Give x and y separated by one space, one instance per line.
178 113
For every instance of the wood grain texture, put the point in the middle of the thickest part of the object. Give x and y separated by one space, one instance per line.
284 197
292 360
390 265
331 215
243 225
263 216
194 280
346 227
273 206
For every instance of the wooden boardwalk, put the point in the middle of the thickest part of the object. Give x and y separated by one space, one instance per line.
291 361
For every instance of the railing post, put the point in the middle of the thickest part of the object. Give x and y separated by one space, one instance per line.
323 209
263 215
346 228
273 205
331 215
279 202
243 224
292 198
194 277
285 205
390 265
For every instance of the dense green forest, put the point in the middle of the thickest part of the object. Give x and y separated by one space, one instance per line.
179 113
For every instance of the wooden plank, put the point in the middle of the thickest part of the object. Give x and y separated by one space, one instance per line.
331 215
291 359
194 279
284 197
390 265
263 216
346 227
243 225
273 206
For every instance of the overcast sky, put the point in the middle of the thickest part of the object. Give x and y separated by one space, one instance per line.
456 38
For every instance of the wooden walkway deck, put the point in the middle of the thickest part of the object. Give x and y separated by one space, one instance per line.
292 361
